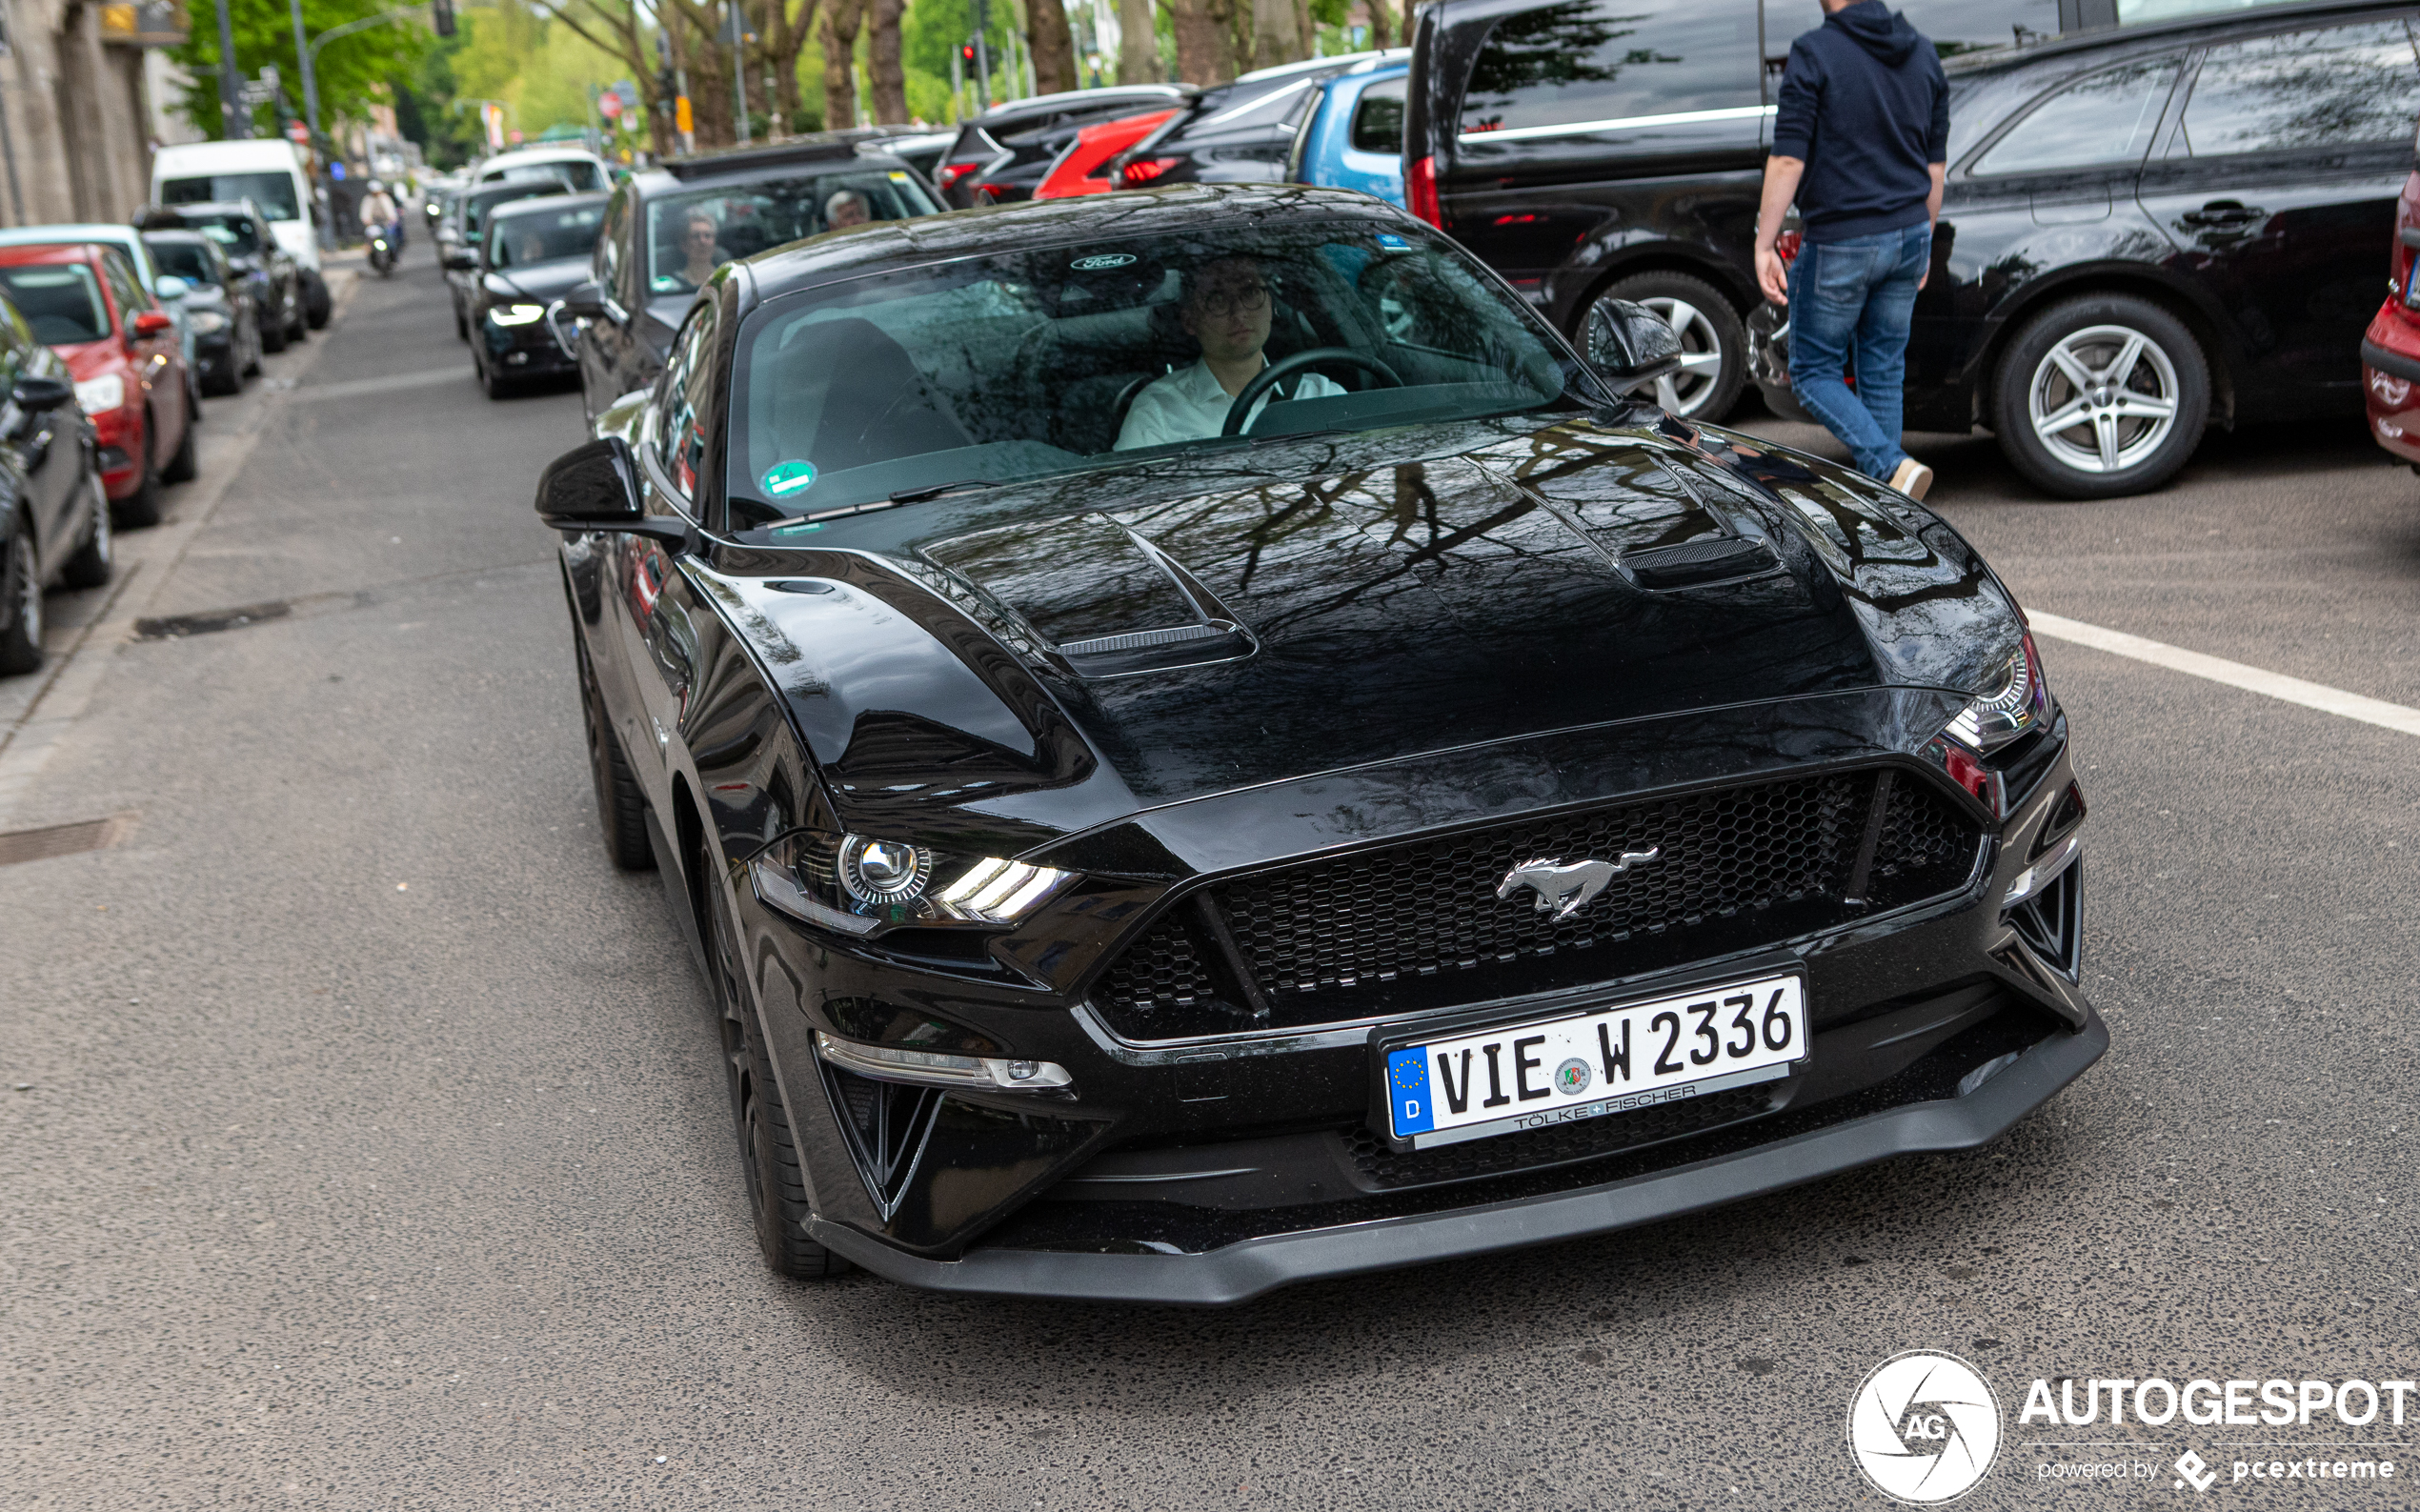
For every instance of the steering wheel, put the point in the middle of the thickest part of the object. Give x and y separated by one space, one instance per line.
1284 367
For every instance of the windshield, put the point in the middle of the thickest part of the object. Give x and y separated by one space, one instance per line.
237 233
690 236
544 235
1024 365
273 192
476 208
61 302
186 259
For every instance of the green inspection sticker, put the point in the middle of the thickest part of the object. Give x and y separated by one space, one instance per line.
785 478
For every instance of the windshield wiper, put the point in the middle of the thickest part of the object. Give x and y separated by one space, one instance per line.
918 495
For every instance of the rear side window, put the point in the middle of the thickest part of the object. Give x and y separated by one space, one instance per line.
2107 118
2323 87
1605 64
1378 119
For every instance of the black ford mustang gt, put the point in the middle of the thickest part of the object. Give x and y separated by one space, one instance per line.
1155 839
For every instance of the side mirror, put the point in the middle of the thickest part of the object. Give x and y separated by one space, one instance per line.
34 395
461 260
596 487
1637 346
585 300
152 323
170 287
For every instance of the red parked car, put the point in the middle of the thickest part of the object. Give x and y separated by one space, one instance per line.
2390 348
120 347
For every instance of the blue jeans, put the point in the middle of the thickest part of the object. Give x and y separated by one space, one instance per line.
1862 291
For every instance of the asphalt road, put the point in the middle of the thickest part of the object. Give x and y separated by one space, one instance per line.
364 1146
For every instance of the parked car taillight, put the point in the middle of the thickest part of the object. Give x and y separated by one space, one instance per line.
1083 169
1420 192
1143 169
951 173
1786 246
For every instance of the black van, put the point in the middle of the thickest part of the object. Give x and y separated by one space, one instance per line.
1593 150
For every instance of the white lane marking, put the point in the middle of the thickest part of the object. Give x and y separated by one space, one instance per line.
349 387
2235 674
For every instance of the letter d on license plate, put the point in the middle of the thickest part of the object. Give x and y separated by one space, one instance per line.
1596 1063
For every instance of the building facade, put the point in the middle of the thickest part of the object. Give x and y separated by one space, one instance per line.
75 108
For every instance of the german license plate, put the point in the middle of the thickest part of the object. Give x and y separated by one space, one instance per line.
1590 1065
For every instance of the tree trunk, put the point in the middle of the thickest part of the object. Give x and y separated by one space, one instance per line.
785 37
1053 48
1205 39
885 73
1382 24
841 19
1137 42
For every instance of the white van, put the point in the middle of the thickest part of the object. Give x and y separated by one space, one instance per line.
271 173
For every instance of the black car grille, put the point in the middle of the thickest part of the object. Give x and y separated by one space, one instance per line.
1417 926
1559 1145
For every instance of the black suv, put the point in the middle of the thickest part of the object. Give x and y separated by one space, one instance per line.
1593 150
1000 156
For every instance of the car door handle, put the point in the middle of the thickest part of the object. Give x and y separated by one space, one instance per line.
2222 213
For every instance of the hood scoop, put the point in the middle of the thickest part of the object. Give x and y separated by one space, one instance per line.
1097 597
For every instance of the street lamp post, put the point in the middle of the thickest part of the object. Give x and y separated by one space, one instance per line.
231 83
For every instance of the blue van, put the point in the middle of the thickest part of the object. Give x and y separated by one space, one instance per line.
1353 138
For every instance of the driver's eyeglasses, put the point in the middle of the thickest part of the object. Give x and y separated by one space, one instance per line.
1220 303
705 234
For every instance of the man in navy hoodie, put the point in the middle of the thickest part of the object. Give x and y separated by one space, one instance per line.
1858 141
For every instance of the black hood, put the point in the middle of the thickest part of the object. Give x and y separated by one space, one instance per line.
1086 662
1879 29
539 282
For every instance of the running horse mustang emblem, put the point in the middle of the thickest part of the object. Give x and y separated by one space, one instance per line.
1566 890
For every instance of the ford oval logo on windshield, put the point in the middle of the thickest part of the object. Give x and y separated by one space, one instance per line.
1101 260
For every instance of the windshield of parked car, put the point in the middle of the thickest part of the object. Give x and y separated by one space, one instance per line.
1022 365
476 207
537 234
690 236
237 233
273 192
61 301
189 260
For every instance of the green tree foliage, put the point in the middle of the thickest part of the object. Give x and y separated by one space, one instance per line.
352 71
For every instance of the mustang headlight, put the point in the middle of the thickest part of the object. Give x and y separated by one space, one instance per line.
104 393
516 314
860 883
2019 704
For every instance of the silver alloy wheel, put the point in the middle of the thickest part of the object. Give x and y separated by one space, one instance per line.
28 576
1684 392
2103 399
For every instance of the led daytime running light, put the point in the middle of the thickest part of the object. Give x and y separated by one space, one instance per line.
516 314
1987 723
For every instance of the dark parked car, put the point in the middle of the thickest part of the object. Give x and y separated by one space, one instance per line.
1003 156
218 308
270 273
55 521
671 226
2153 227
1235 133
1593 150
532 250
1451 808
465 226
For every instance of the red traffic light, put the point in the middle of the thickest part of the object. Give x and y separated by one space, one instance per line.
966 52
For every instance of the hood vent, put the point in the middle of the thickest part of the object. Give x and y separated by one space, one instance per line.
1695 562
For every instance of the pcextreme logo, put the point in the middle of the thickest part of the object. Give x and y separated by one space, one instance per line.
1924 1428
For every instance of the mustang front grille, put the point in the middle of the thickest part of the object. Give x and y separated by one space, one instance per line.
1420 925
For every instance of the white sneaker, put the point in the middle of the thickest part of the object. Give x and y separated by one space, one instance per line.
1913 478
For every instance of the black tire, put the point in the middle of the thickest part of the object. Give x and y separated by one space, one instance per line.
2170 368
316 303
142 507
20 606
229 379
97 557
184 467
298 328
1712 327
769 1165
251 358
273 336
461 325
621 809
495 387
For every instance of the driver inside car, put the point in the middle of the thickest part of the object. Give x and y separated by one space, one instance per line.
1225 309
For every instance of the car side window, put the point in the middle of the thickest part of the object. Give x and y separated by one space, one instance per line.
607 264
124 290
2105 119
2328 87
1378 118
680 433
1600 64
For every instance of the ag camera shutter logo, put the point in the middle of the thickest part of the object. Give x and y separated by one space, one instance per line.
1924 1428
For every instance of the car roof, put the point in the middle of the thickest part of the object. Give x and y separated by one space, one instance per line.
1207 209
178 237
25 253
67 232
215 207
2261 16
539 204
754 165
1081 100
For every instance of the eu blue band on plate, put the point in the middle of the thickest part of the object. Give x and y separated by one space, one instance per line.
1407 1091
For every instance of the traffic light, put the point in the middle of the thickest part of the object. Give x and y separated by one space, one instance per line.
966 55
441 14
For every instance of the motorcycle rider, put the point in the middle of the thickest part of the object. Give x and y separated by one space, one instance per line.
378 213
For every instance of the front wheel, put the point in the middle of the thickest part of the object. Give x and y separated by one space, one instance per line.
142 507
1713 342
620 807
184 465
20 606
316 303
2101 396
96 558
